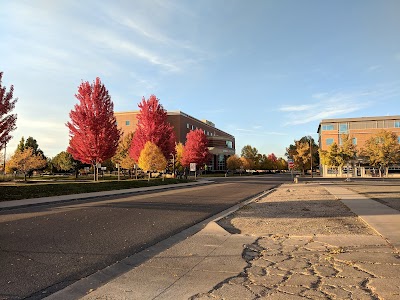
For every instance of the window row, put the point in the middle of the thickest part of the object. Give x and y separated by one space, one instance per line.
344 127
192 127
353 140
330 141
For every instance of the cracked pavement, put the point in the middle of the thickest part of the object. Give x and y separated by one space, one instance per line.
345 262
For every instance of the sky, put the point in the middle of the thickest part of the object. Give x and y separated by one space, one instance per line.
264 71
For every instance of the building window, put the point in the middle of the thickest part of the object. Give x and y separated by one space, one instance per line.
328 127
340 141
221 162
397 124
343 128
398 139
192 127
127 123
229 144
354 141
187 126
329 141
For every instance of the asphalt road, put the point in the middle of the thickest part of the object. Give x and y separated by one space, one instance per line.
46 248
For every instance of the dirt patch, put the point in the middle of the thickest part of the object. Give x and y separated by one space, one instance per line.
295 209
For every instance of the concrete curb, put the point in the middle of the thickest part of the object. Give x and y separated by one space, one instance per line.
82 287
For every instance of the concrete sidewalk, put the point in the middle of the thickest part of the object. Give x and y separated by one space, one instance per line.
214 264
383 219
85 196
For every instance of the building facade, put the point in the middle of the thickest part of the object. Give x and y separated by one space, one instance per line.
359 131
220 143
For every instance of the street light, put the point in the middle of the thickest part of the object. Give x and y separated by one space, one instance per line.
173 164
311 155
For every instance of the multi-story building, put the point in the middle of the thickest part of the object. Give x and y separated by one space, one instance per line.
220 143
359 131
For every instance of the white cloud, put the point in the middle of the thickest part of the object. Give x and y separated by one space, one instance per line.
257 132
303 107
328 106
374 68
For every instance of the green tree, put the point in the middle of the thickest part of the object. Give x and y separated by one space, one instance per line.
152 159
382 150
64 161
251 154
30 142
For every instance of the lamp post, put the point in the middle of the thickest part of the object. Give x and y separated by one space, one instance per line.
4 163
311 157
173 164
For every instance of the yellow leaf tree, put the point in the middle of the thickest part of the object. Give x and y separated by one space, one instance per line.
382 150
152 159
233 162
179 148
122 157
25 161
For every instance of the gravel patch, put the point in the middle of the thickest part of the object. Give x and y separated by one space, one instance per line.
295 210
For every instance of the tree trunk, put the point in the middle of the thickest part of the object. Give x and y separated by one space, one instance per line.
24 176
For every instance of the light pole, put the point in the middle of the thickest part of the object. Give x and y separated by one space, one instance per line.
311 157
4 163
173 164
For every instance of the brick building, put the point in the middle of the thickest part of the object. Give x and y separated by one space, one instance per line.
220 143
359 131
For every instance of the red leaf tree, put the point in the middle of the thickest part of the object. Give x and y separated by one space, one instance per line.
196 150
152 127
7 121
93 128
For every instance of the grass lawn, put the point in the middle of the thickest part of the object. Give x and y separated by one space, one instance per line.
32 189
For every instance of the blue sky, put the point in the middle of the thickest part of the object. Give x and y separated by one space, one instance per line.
265 71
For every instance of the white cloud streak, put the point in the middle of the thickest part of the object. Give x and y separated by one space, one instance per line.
328 106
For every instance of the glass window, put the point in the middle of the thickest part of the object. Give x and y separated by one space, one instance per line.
343 128
127 123
329 141
354 141
229 144
328 127
192 127
398 139
397 124
187 126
